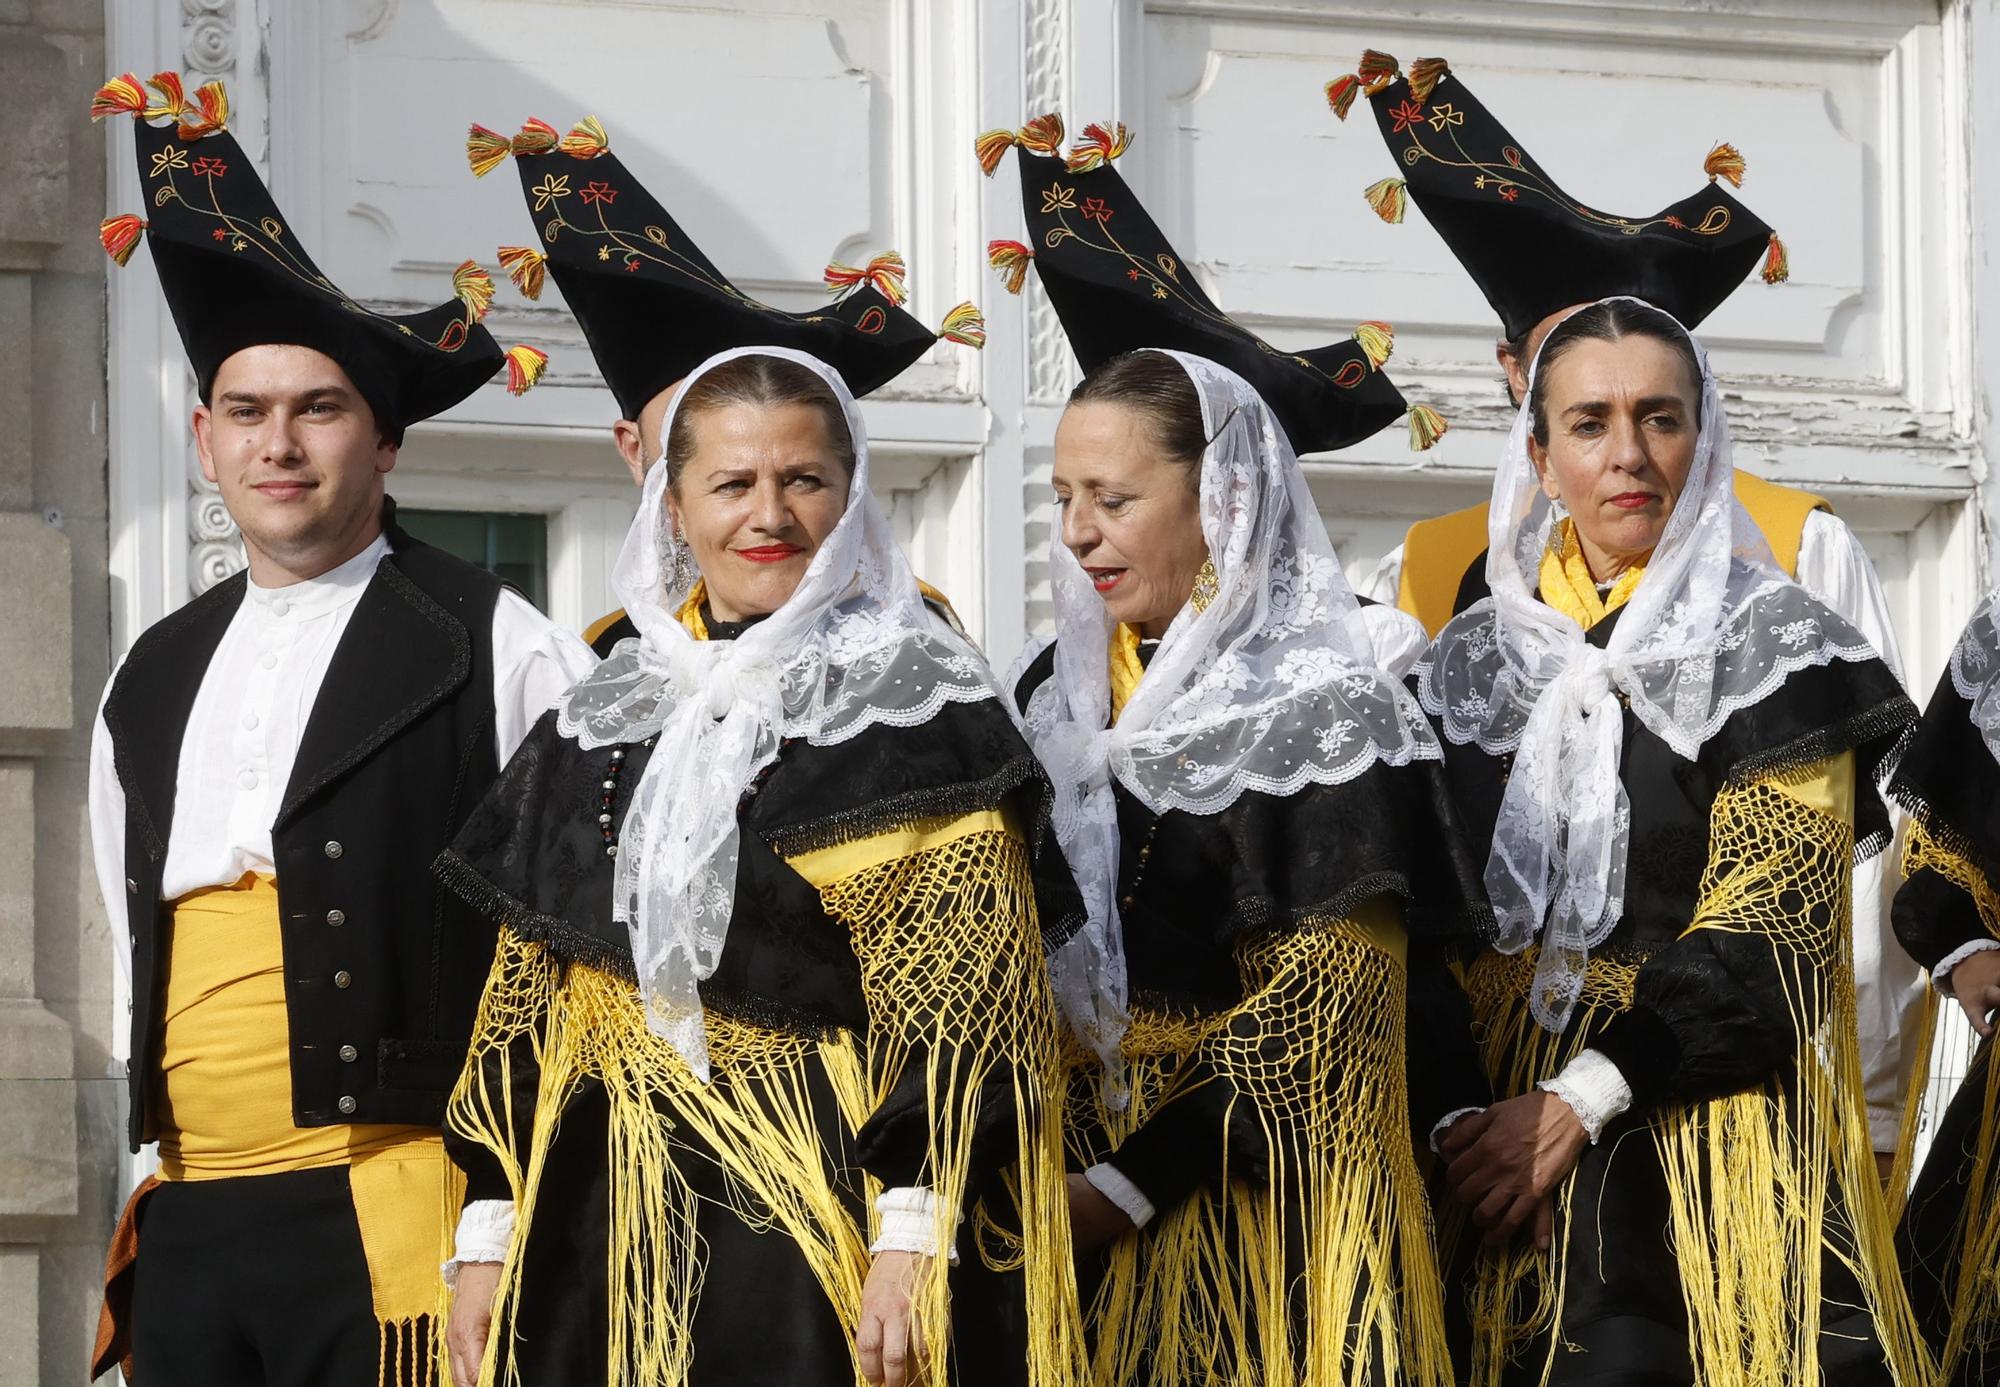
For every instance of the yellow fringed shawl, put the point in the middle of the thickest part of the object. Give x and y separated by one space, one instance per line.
1751 1177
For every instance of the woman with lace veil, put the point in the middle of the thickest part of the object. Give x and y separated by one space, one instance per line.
1256 815
1673 752
1947 916
764 1083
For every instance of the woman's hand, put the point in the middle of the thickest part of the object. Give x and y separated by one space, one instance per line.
889 1340
1093 1219
1506 1162
1975 982
471 1319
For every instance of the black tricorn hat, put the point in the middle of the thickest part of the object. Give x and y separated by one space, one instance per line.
653 307
235 276
1117 286
1532 248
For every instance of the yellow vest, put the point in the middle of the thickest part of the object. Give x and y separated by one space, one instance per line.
1438 552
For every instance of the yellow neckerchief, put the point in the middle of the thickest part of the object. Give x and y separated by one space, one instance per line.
1568 587
690 612
1126 669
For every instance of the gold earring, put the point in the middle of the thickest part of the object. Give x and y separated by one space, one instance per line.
1206 586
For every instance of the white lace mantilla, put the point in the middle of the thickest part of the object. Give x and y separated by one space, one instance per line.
1975 672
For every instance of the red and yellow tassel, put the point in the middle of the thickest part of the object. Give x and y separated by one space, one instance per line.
173 96
1043 134
474 286
1389 198
1011 259
885 272
121 96
526 266
120 235
211 101
1340 94
524 367
1427 426
1101 143
1724 162
1377 70
1377 341
586 139
992 146
535 137
965 325
486 150
1424 75
1777 263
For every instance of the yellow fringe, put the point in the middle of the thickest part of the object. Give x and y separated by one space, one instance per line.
954 979
1208 1294
1751 1178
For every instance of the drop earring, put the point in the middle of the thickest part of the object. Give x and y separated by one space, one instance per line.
1206 586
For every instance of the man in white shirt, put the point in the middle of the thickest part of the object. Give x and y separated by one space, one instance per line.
1537 254
274 769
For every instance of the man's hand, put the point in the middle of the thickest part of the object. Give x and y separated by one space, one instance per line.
1975 982
471 1319
888 1339
1506 1162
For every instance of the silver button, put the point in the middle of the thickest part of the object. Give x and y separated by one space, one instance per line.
348 1054
333 848
132 886
336 918
346 1104
343 979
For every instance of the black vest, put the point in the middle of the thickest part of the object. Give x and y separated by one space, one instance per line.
382 968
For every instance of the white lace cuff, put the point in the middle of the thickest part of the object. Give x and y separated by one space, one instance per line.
1941 975
484 1230
909 1223
1443 1125
1594 1089
1110 1181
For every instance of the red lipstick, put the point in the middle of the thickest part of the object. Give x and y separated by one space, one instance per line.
770 553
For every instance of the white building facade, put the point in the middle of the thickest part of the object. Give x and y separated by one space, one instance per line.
786 133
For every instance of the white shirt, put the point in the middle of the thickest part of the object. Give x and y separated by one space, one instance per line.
250 712
1888 986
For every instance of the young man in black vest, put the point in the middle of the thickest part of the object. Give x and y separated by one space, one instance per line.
275 767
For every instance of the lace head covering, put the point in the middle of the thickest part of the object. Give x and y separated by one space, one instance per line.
1698 641
1270 687
852 647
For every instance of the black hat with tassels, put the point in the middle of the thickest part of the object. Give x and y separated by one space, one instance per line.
1117 286
653 307
235 276
1532 248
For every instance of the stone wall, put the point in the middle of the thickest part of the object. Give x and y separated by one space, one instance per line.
59 1105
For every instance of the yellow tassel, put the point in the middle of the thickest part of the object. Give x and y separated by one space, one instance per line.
173 97
474 286
1340 94
1377 70
526 266
535 137
1099 146
121 96
524 367
1011 259
1777 263
992 147
485 150
1424 74
1724 162
1427 426
885 272
964 325
119 235
211 99
1043 134
586 139
1377 341
1389 199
